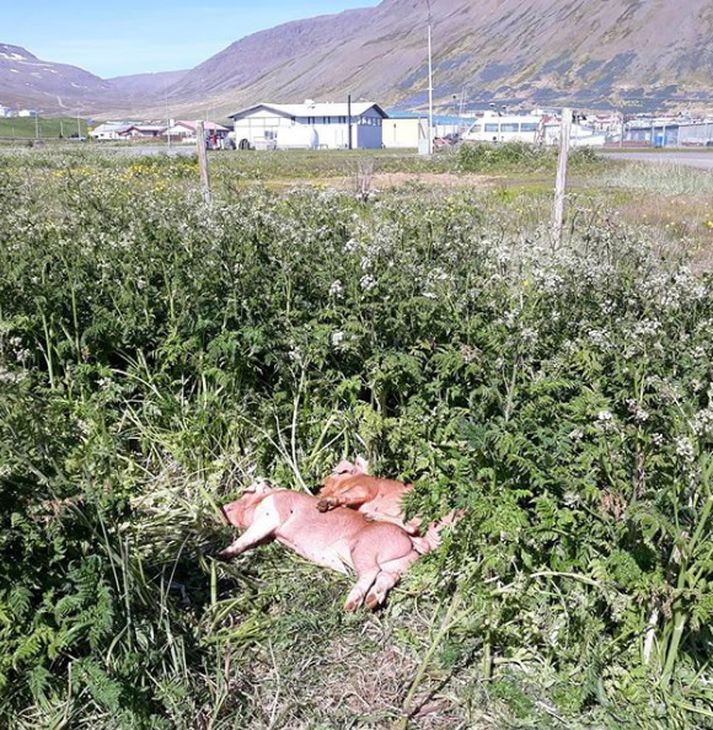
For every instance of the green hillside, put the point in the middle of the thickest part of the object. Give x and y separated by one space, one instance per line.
44 127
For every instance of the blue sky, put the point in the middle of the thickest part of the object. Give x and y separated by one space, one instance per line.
136 36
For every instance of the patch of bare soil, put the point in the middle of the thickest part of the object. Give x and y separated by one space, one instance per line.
383 180
391 180
361 681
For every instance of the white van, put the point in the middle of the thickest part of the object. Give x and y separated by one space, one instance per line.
506 128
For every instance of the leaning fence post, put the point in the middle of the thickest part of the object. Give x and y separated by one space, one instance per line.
561 183
203 160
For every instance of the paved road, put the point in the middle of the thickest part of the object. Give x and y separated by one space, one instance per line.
703 160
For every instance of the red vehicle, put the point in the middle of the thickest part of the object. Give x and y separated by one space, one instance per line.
452 139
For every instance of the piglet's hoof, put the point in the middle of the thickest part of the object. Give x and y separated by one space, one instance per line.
373 601
224 555
323 505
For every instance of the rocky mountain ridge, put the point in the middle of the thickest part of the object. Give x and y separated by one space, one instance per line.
28 82
634 53
616 53
55 88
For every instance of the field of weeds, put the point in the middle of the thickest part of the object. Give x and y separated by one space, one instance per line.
157 353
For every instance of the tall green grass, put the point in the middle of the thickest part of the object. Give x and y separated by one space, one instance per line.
156 353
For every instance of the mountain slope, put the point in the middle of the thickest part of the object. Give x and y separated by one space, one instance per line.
26 81
274 50
140 87
542 51
625 53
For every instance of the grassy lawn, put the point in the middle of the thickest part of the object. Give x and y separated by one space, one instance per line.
49 129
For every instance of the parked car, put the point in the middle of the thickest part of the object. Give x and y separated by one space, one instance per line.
447 141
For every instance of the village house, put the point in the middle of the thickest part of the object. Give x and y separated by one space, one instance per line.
184 131
312 125
142 131
127 131
403 130
109 131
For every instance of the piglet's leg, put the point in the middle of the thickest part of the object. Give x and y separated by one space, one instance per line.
366 569
352 497
265 521
388 577
356 594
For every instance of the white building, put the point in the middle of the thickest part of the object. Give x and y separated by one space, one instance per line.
109 131
27 113
312 125
142 131
184 131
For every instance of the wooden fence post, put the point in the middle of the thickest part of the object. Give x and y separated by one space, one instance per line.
203 160
561 183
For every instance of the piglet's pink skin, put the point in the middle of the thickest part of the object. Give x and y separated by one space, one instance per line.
349 485
378 552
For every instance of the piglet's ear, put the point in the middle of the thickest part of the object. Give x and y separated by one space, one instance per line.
262 486
361 466
344 467
259 486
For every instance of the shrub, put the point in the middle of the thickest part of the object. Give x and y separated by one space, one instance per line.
520 156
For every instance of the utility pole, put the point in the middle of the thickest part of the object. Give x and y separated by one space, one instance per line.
37 125
461 111
430 84
168 122
349 121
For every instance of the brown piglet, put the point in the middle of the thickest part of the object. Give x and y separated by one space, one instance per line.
350 485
